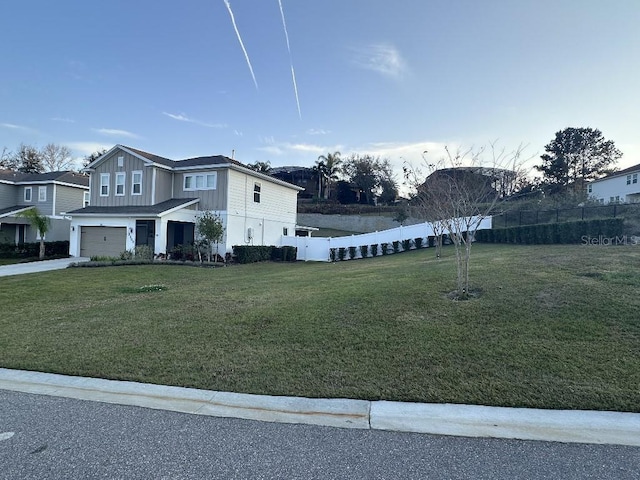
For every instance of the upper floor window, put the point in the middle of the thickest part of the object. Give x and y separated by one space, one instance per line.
120 161
200 181
635 178
256 192
589 188
120 179
27 194
42 194
628 179
104 184
85 199
136 182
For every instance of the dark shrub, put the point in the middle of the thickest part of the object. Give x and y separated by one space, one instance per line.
374 250
364 251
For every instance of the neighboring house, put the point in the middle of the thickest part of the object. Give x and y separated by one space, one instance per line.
138 198
51 193
302 176
619 187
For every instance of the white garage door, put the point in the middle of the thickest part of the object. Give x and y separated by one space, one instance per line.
102 241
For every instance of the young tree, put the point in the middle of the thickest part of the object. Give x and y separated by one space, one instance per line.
210 229
7 160
40 222
261 167
574 157
458 195
56 158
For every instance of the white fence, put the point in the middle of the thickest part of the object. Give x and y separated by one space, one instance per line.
317 249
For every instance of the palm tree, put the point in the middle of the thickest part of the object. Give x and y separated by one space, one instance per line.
330 163
40 222
320 170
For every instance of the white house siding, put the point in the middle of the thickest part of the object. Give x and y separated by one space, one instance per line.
209 199
616 186
267 219
110 166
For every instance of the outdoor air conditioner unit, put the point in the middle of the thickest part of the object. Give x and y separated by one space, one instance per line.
250 233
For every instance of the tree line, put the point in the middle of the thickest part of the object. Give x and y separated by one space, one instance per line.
50 158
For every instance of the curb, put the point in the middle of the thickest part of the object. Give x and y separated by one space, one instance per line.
576 426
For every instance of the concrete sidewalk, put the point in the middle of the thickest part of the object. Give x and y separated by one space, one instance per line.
616 428
42 266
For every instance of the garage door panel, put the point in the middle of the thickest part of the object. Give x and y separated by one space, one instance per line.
102 241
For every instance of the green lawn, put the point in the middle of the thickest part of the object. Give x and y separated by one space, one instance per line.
554 327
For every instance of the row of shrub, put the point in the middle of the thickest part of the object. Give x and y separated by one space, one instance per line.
548 233
386 248
30 250
264 253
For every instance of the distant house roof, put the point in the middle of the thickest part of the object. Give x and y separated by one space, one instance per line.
68 177
136 210
626 171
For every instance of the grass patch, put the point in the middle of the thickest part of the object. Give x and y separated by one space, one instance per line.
554 327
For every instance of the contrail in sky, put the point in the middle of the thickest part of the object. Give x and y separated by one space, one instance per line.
293 73
246 55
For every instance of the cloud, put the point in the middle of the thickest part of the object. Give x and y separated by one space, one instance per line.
284 148
63 120
181 117
112 132
13 126
381 58
87 148
318 131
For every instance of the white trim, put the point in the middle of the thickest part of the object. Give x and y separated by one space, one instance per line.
53 201
86 199
153 186
108 177
123 176
205 180
134 183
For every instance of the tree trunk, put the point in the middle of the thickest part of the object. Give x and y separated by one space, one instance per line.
41 248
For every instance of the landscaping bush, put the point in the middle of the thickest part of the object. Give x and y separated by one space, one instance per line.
352 253
143 252
30 250
418 242
252 253
333 252
374 250
406 244
342 253
364 251
385 248
396 246
548 233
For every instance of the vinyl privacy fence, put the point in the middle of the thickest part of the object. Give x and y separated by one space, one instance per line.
318 249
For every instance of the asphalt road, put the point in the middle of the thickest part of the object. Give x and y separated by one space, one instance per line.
44 437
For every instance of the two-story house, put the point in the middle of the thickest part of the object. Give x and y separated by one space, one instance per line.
138 198
51 193
619 187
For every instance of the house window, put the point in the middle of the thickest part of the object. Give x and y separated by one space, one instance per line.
285 231
201 181
136 183
256 192
120 161
42 194
85 199
27 194
635 178
104 184
628 179
589 188
120 177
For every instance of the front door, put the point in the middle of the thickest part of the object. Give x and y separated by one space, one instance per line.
21 231
146 233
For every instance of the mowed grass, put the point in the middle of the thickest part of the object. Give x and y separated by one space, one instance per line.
554 327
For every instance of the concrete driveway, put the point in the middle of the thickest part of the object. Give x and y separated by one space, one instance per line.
43 266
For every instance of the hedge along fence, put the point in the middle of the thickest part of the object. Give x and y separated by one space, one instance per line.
547 233
30 250
373 250
262 253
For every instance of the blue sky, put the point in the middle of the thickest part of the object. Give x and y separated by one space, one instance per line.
388 78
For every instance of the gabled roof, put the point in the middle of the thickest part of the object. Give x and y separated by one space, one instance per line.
135 210
626 171
67 177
